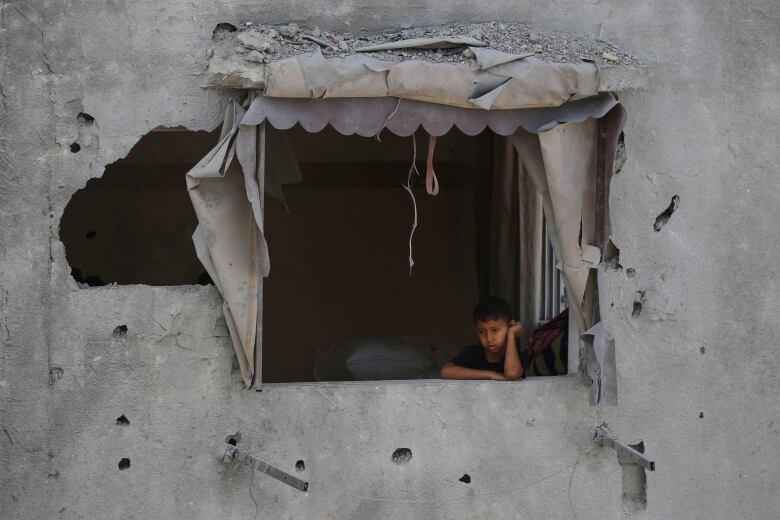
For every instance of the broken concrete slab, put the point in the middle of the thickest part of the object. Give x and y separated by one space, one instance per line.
274 60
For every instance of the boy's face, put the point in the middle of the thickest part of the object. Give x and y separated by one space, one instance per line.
492 335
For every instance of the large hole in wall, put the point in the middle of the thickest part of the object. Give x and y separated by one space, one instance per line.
134 224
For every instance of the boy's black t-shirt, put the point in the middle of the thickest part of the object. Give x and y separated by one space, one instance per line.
473 356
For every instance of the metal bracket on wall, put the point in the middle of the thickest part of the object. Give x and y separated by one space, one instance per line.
605 438
229 453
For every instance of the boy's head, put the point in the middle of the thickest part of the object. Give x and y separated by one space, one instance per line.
492 317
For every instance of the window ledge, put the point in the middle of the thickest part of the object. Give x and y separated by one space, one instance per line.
410 382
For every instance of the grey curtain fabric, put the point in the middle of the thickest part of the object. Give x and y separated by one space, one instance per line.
491 80
561 163
229 238
368 116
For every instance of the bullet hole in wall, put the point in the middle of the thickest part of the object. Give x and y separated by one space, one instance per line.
663 218
75 147
142 211
466 479
55 374
401 456
222 30
630 272
122 421
612 256
300 466
702 350
124 463
120 331
85 119
620 154
701 415
634 482
639 299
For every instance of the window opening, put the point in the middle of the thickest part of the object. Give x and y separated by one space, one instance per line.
134 224
339 303
533 168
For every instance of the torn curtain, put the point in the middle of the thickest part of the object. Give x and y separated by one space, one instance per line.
555 169
226 189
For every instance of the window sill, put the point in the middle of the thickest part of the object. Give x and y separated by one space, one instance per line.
405 382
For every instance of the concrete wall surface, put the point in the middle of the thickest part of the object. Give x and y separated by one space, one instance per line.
697 367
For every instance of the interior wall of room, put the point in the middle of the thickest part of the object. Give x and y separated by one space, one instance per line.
339 257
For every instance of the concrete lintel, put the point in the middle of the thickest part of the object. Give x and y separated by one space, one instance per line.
234 72
617 78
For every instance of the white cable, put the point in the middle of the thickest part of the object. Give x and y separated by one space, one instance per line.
408 188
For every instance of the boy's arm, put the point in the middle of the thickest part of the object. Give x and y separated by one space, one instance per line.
513 368
453 371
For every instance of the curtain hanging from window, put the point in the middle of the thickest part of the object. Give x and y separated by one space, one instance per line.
561 165
227 189
229 240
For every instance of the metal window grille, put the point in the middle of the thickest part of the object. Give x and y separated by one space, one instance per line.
552 291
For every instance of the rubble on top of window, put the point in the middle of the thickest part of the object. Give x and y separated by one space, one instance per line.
263 43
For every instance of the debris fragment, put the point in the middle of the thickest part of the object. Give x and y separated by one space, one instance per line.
425 43
319 41
289 31
257 57
514 38
255 40
610 56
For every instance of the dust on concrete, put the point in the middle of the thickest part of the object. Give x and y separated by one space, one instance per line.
263 43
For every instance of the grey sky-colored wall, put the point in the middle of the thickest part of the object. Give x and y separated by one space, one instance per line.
697 367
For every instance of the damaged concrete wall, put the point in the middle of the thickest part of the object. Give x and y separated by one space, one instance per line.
692 308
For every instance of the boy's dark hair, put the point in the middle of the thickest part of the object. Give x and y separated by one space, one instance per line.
492 308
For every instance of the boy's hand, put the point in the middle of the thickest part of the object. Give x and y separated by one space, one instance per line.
515 328
496 376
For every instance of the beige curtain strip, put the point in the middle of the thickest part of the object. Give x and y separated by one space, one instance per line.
561 164
229 238
491 80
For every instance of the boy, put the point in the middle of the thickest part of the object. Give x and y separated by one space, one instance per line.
496 357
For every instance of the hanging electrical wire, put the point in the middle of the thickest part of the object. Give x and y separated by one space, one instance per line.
408 187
